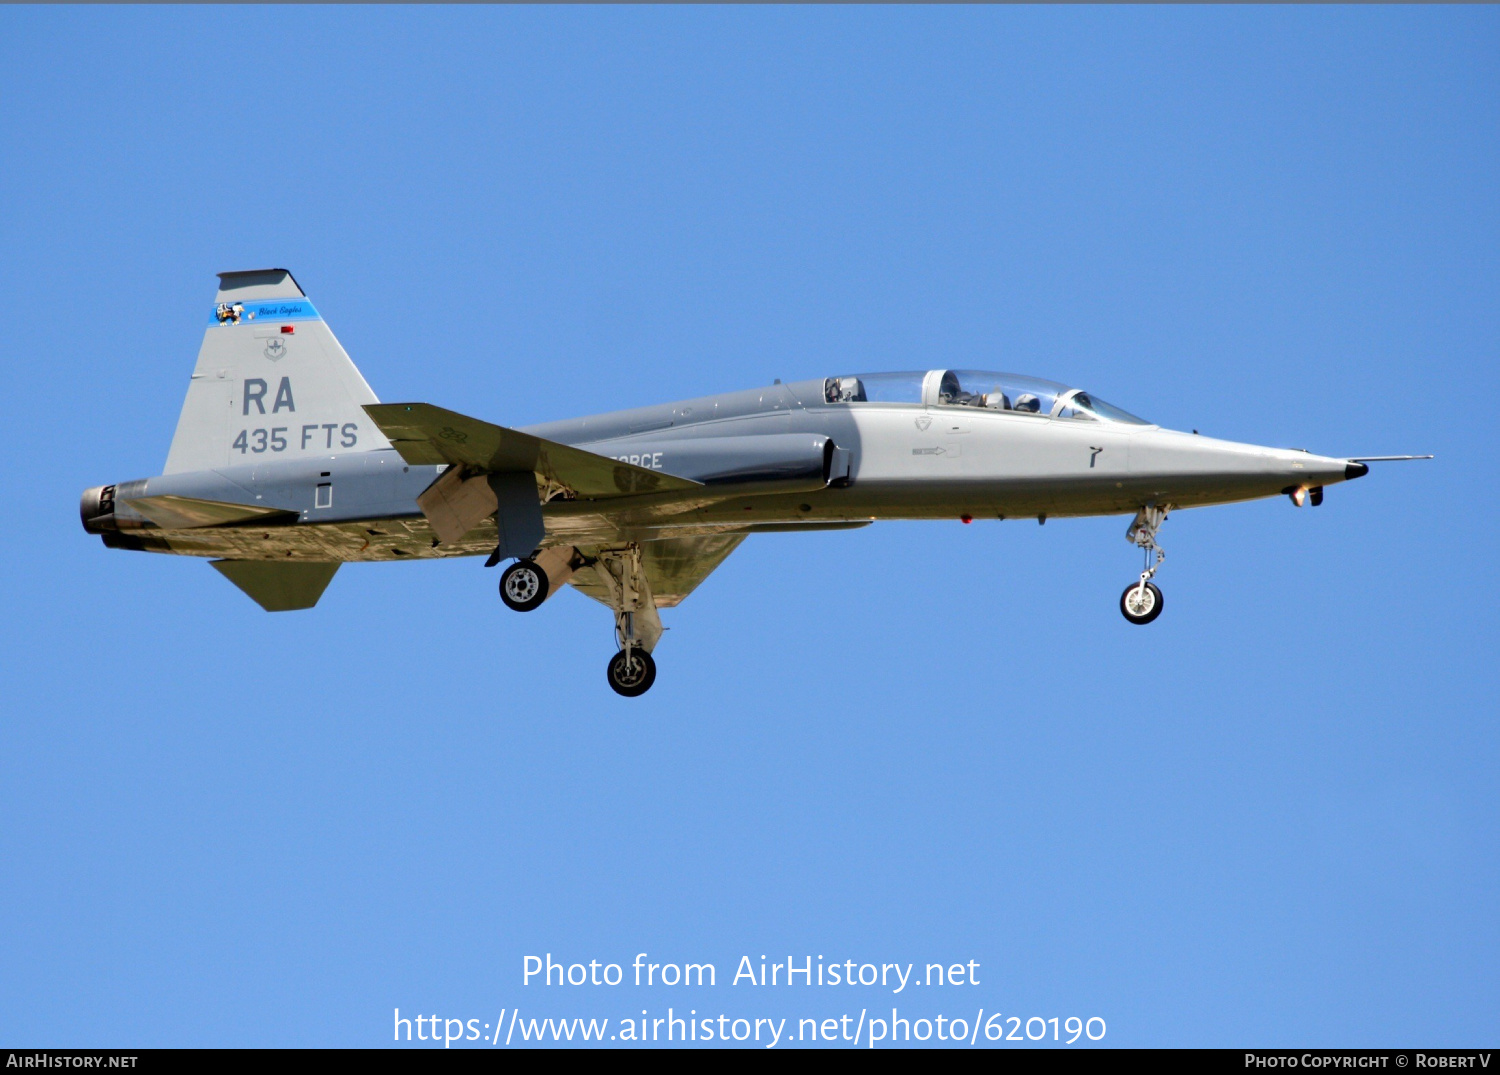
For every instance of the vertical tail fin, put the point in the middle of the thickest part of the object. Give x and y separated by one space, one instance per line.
271 382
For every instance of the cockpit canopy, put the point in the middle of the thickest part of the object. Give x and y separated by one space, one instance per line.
976 388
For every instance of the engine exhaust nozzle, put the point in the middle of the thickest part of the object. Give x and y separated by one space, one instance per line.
97 509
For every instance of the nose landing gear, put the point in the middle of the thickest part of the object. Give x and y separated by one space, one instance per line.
1142 602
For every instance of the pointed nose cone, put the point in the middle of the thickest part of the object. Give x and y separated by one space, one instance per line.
1302 468
1201 470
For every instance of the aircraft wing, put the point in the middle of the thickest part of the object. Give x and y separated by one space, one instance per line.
674 567
425 434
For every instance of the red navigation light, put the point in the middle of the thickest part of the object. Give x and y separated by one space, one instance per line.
966 519
287 330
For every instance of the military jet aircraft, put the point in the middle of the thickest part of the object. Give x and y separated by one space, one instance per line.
285 465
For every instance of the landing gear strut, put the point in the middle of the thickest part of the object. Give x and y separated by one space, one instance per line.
1142 602
637 624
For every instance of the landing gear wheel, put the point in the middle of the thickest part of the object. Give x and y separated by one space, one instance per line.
631 672
523 586
1141 606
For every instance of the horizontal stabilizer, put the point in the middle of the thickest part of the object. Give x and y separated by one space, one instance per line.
278 585
426 435
186 512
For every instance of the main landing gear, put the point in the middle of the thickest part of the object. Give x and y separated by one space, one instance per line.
1142 602
523 586
528 582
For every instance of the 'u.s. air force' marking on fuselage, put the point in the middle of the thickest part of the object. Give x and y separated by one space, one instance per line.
275 348
648 460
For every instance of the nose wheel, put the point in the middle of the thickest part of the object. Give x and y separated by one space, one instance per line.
1142 602
631 672
523 586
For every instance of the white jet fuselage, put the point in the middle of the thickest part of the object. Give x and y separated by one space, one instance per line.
905 461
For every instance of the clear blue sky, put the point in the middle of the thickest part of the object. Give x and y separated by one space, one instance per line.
1272 817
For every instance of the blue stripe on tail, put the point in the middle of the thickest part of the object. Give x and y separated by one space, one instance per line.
241 313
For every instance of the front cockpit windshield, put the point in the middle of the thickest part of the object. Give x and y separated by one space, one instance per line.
982 389
1083 405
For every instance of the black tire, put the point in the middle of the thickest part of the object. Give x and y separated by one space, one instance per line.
523 586
634 679
1152 599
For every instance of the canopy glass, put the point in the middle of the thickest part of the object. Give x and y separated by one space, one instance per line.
984 389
